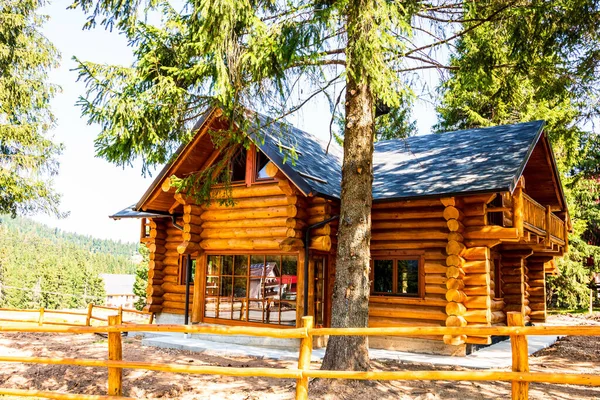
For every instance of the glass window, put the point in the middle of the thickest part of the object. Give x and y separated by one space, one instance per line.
261 165
183 269
238 166
256 288
396 276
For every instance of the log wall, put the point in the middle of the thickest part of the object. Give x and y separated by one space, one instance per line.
515 282
414 227
537 287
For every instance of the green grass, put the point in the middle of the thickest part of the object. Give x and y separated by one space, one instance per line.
562 311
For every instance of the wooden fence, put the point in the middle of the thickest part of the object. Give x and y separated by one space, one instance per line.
519 376
42 317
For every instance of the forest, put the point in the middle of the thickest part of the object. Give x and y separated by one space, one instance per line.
46 267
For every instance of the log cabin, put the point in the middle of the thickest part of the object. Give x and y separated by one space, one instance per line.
465 227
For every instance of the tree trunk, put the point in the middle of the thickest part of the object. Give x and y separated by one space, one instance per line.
350 306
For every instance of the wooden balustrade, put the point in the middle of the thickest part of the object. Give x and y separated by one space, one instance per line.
541 221
87 316
520 375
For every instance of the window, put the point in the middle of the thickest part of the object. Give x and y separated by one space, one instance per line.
496 218
320 267
261 166
254 288
497 278
183 269
238 166
393 276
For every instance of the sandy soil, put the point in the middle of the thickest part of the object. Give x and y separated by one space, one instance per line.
571 354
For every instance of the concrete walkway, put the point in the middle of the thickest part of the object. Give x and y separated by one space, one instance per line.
494 356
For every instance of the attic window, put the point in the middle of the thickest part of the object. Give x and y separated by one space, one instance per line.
261 165
238 166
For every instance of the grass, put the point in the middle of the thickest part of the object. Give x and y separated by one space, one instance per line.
562 311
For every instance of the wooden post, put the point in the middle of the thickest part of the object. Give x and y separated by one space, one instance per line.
88 318
548 222
120 313
520 353
115 353
306 346
41 318
151 319
518 213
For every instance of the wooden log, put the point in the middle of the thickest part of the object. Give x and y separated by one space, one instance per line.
455 225
434 268
435 279
415 234
192 219
455 236
171 271
188 248
166 184
322 243
476 267
434 289
474 209
454 340
191 237
304 359
392 245
456 295
518 210
454 320
480 279
291 244
520 354
191 228
479 198
255 213
155 248
489 232
319 209
115 353
477 316
406 214
475 221
477 290
254 202
268 232
174 305
454 248
237 192
453 308
251 223
192 209
409 224
454 261
477 302
241 244
396 311
455 272
476 253
406 204
453 283
452 212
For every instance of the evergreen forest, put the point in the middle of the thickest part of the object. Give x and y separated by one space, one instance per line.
47 267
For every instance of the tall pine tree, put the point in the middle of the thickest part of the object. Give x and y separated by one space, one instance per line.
27 154
241 54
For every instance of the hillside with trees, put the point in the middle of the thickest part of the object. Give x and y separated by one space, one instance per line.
46 267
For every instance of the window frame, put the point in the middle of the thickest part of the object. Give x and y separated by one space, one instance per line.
275 320
183 269
419 257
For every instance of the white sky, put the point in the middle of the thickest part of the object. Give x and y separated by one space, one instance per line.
91 187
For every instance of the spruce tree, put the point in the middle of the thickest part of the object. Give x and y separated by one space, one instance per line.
239 54
28 157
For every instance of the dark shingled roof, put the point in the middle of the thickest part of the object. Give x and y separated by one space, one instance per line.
453 163
129 212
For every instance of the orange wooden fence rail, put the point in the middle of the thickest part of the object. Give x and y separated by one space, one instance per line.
519 376
43 320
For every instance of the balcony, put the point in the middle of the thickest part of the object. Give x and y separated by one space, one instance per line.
546 227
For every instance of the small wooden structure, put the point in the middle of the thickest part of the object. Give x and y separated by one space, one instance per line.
465 227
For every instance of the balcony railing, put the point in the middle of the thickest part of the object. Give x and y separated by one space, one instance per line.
541 221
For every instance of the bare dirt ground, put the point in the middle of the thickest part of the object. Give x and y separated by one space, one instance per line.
574 354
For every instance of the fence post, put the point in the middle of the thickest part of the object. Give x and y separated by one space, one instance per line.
304 357
88 318
520 354
41 318
120 312
115 353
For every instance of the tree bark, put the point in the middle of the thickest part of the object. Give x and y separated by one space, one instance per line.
350 307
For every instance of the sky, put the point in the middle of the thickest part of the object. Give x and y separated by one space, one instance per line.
92 188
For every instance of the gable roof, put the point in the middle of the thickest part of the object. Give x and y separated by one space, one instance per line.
453 163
